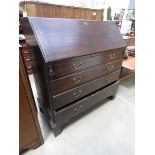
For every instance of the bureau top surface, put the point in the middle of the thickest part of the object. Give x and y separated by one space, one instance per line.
66 38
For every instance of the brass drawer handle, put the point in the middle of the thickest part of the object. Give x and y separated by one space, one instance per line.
110 67
108 79
77 94
78 108
28 59
76 67
77 80
26 52
51 72
29 67
112 56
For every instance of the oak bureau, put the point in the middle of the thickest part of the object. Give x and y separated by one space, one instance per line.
76 64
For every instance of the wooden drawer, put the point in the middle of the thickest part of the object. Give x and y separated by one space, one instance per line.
28 64
78 79
27 58
29 69
74 65
71 95
26 53
67 113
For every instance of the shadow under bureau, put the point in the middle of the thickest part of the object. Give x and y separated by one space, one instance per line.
76 64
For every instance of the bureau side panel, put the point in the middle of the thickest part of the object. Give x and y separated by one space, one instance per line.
38 66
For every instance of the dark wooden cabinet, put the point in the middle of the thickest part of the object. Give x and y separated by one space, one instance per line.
76 64
29 131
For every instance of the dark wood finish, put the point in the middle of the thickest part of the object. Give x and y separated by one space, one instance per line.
40 9
64 38
30 136
24 50
69 112
56 45
20 16
27 56
75 65
130 41
77 79
74 94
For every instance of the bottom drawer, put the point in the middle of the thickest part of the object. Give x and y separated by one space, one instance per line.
67 113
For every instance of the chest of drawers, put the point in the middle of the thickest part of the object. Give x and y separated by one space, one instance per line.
76 64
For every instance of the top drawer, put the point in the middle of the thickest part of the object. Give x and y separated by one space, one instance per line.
74 65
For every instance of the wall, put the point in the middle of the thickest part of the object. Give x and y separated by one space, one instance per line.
95 4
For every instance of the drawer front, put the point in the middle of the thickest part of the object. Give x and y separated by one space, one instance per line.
71 95
67 113
26 54
72 81
74 65
27 57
